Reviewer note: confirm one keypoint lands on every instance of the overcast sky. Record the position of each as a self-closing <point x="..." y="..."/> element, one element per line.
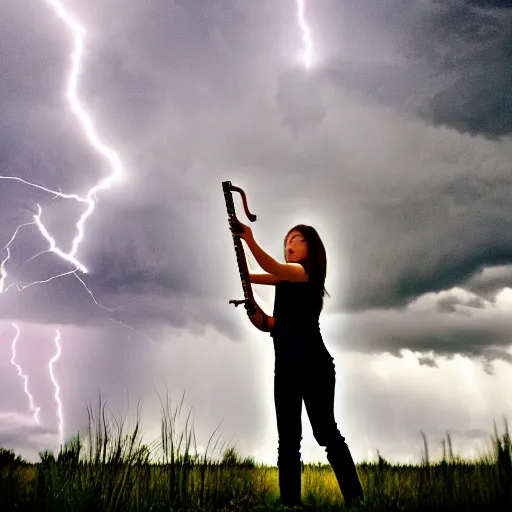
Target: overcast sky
<point x="395" y="144"/>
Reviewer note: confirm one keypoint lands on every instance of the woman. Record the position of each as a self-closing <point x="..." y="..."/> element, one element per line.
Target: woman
<point x="304" y="369"/>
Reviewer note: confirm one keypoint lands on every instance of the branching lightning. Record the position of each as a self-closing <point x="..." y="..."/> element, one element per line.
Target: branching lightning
<point x="85" y="121"/>
<point x="57" y="388"/>
<point x="87" y="124"/>
<point x="111" y="156"/>
<point x="24" y="377"/>
<point x="131" y="329"/>
<point x="306" y="34"/>
<point x="3" y="271"/>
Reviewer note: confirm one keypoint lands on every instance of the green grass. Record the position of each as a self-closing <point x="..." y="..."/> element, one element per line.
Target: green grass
<point x="110" y="469"/>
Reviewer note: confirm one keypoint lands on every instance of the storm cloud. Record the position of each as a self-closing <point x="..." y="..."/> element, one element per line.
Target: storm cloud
<point x="447" y="62"/>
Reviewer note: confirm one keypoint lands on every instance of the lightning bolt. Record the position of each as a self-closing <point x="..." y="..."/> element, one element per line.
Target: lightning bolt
<point x="24" y="377"/>
<point x="306" y="34"/>
<point x="3" y="271"/>
<point x="89" y="200"/>
<point x="131" y="329"/>
<point x="88" y="126"/>
<point x="86" y="122"/>
<point x="57" y="387"/>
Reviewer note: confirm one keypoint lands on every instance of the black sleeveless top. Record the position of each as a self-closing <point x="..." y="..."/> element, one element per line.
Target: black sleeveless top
<point x="296" y="332"/>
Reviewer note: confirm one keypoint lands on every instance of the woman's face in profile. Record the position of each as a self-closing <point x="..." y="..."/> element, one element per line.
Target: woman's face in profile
<point x="296" y="247"/>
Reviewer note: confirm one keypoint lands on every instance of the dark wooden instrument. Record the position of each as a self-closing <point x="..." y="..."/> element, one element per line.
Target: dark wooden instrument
<point x="248" y="301"/>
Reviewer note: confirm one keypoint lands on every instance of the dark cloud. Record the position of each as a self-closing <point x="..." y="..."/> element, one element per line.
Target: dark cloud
<point x="427" y="361"/>
<point x="451" y="66"/>
<point x="490" y="281"/>
<point x="494" y="353"/>
<point x="448" y="303"/>
<point x="439" y="258"/>
<point x="473" y="48"/>
<point x="483" y="337"/>
<point x="498" y="4"/>
<point x="475" y="104"/>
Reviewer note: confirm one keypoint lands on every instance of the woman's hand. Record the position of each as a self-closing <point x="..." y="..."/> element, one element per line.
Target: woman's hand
<point x="240" y="230"/>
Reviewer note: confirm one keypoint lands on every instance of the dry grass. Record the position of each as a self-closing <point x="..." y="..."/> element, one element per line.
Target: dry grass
<point x="109" y="469"/>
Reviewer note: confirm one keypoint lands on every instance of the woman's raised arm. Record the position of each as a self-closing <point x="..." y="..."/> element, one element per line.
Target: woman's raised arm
<point x="264" y="278"/>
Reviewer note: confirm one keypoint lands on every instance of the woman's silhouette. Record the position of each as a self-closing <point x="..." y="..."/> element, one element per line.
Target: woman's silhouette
<point x="304" y="369"/>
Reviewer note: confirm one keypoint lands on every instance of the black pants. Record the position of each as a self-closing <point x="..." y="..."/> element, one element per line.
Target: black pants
<point x="311" y="381"/>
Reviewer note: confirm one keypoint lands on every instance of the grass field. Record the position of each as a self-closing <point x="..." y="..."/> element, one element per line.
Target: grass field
<point x="109" y="469"/>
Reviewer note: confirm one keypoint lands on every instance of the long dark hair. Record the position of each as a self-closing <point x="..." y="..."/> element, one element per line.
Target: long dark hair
<point x="315" y="262"/>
